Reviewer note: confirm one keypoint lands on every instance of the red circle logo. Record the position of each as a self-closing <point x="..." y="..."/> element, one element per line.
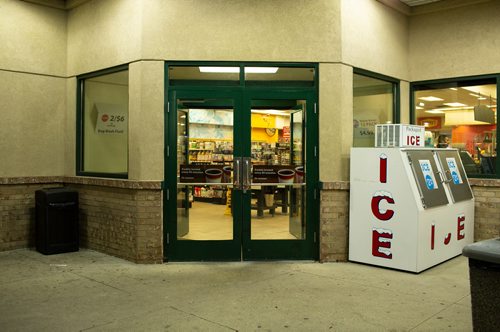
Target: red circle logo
<point x="104" y="117"/>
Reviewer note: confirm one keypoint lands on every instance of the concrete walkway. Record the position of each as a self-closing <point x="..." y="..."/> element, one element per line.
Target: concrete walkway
<point x="90" y="291"/>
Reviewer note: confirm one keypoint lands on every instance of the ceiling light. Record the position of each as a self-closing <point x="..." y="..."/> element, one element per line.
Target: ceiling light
<point x="431" y="98"/>
<point x="219" y="69"/>
<point x="474" y="95"/>
<point x="482" y="98"/>
<point x="261" y="70"/>
<point x="421" y="104"/>
<point x="455" y="104"/>
<point x="419" y="108"/>
<point x="454" y="89"/>
<point x="434" y="112"/>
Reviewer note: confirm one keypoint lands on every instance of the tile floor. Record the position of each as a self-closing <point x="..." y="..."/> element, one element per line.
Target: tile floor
<point x="90" y="291"/>
<point x="208" y="221"/>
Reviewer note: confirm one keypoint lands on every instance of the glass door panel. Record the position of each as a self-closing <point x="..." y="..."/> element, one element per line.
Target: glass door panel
<point x="204" y="169"/>
<point x="278" y="180"/>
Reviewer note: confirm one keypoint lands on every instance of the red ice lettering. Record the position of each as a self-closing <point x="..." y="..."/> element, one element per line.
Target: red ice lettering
<point x="381" y="243"/>
<point x="447" y="239"/>
<point x="382" y="215"/>
<point x="433" y="232"/>
<point x="412" y="140"/>
<point x="383" y="168"/>
<point x="460" y="227"/>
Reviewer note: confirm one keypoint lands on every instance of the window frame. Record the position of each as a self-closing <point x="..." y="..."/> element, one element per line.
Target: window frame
<point x="396" y="91"/>
<point x="80" y="92"/>
<point x="454" y="82"/>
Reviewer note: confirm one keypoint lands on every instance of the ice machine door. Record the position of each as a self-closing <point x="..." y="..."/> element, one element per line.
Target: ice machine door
<point x="455" y="175"/>
<point x="428" y="178"/>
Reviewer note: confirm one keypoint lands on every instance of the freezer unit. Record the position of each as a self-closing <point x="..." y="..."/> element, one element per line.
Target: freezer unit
<point x="410" y="208"/>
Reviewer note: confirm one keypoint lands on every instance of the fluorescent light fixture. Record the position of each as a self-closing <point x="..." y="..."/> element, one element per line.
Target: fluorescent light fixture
<point x="235" y="70"/>
<point x="419" y="108"/>
<point x="421" y="104"/>
<point x="219" y="69"/>
<point x="430" y="98"/>
<point x="474" y="95"/>
<point x="482" y="98"/>
<point x="454" y="89"/>
<point x="455" y="104"/>
<point x="435" y="112"/>
<point x="261" y="70"/>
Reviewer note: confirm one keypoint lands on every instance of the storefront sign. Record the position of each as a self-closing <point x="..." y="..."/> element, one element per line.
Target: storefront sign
<point x="111" y="119"/>
<point x="278" y="174"/>
<point x="204" y="174"/>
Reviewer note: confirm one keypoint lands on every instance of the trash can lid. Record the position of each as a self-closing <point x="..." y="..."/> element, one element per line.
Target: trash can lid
<point x="488" y="251"/>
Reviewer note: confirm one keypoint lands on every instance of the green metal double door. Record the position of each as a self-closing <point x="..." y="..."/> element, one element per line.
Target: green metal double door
<point x="241" y="175"/>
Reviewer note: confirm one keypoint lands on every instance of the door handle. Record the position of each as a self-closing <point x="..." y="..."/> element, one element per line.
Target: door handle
<point x="246" y="176"/>
<point x="237" y="173"/>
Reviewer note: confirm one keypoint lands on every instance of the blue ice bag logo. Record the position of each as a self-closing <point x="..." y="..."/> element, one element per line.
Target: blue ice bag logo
<point x="429" y="182"/>
<point x="455" y="177"/>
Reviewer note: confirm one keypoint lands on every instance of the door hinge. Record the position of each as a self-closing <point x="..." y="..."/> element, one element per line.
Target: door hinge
<point x="315" y="151"/>
<point x="168" y="150"/>
<point x="314" y="193"/>
<point x="168" y="238"/>
<point x="168" y="194"/>
<point x="314" y="237"/>
<point x="315" y="109"/>
<point x="168" y="107"/>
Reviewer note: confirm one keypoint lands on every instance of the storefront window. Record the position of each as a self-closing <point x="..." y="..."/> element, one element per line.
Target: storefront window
<point x="374" y="103"/>
<point x="462" y="115"/>
<point x="103" y="124"/>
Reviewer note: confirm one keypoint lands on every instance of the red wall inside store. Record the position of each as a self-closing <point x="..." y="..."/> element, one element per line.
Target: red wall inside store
<point x="466" y="134"/>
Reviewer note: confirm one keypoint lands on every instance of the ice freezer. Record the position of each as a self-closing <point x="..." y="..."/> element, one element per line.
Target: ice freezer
<point x="410" y="208"/>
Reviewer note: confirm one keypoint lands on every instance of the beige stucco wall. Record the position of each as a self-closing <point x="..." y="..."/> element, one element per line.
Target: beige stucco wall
<point x="33" y="90"/>
<point x="456" y="42"/>
<point x="103" y="34"/>
<point x="32" y="38"/>
<point x="146" y="122"/>
<point x="375" y="38"/>
<point x="32" y="124"/>
<point x="335" y="121"/>
<point x="277" y="30"/>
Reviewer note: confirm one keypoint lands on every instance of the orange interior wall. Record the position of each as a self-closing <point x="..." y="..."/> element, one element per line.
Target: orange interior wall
<point x="466" y="134"/>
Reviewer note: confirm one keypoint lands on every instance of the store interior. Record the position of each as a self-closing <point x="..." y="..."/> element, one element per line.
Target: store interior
<point x="462" y="117"/>
<point x="206" y="143"/>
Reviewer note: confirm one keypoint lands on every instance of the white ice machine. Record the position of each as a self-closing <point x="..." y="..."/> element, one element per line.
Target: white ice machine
<point x="410" y="208"/>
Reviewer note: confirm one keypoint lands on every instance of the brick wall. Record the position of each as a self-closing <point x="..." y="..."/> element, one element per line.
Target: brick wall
<point x="334" y="222"/>
<point x="17" y="215"/>
<point x="126" y="223"/>
<point x="117" y="217"/>
<point x="487" y="209"/>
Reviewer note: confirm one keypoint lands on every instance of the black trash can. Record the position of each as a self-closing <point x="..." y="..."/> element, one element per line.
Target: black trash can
<point x="56" y="220"/>
<point x="484" y="270"/>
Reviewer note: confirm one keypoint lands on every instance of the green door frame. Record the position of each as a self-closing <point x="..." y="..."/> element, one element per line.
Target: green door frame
<point x="231" y="249"/>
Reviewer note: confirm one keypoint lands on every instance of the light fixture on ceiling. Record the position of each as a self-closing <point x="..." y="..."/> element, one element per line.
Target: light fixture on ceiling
<point x="454" y="89"/>
<point x="435" y="111"/>
<point x="455" y="104"/>
<point x="430" y="98"/>
<point x="233" y="70"/>
<point x="271" y="112"/>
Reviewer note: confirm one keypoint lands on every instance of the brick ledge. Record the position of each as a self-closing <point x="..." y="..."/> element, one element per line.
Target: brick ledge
<point x="335" y="185"/>
<point x="116" y="183"/>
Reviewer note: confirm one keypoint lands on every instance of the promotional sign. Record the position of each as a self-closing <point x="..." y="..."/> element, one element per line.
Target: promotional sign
<point x="455" y="174"/>
<point x="430" y="180"/>
<point x="111" y="119"/>
<point x="204" y="174"/>
<point x="278" y="174"/>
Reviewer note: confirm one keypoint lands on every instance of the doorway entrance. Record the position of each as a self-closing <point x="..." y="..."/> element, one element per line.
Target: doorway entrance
<point x="245" y="179"/>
